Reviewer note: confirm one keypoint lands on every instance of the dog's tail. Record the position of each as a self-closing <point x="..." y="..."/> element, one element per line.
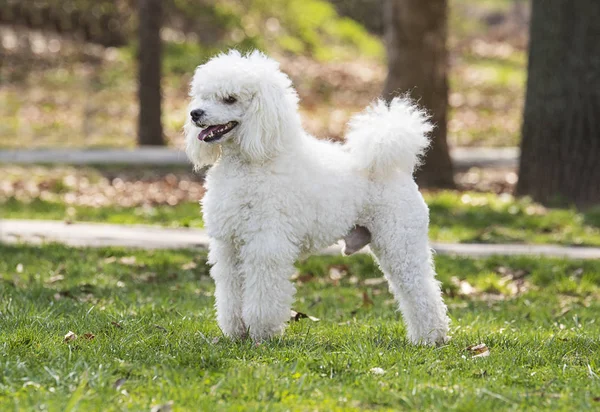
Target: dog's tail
<point x="387" y="137"/>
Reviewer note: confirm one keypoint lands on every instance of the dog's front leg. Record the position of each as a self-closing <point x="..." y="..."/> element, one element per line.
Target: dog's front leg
<point x="229" y="280"/>
<point x="267" y="264"/>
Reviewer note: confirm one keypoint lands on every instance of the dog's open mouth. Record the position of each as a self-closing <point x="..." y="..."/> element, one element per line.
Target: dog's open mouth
<point x="214" y="133"/>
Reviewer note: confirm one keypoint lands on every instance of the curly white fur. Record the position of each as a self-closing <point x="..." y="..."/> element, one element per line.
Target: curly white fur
<point x="274" y="193"/>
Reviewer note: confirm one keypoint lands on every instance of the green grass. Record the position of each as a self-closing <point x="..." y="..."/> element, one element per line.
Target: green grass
<point x="488" y="218"/>
<point x="186" y="214"/>
<point x="156" y="340"/>
<point x="466" y="217"/>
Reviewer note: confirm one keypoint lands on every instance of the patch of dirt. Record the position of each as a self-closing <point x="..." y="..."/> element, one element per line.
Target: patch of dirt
<point x="97" y="188"/>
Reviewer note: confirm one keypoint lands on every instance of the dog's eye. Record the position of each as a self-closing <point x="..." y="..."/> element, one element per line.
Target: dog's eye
<point x="230" y="100"/>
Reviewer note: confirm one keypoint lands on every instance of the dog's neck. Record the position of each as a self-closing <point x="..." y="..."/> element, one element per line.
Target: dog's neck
<point x="232" y="153"/>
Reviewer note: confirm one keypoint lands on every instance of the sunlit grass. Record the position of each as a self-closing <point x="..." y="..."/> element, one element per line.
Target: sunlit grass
<point x="465" y="217"/>
<point x="147" y="335"/>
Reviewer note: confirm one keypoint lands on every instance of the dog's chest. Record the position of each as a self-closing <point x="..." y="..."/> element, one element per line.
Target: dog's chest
<point x="235" y="203"/>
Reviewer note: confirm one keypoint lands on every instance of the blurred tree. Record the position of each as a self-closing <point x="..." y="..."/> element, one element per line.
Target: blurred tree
<point x="149" y="73"/>
<point x="96" y="21"/>
<point x="415" y="32"/>
<point x="366" y="12"/>
<point x="560" y="150"/>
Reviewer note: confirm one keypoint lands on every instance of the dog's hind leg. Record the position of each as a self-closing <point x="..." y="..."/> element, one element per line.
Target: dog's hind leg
<point x="405" y="258"/>
<point x="228" y="279"/>
<point x="267" y="264"/>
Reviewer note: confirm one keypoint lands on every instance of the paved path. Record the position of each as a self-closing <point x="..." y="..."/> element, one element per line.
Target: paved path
<point x="97" y="235"/>
<point x="462" y="157"/>
<point x="147" y="155"/>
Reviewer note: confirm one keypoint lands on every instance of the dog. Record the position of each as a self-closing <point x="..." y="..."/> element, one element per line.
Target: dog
<point x="275" y="193"/>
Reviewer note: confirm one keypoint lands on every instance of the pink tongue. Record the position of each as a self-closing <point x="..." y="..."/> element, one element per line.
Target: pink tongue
<point x="207" y="131"/>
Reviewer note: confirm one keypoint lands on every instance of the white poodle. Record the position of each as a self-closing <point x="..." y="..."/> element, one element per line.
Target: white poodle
<point x="274" y="193"/>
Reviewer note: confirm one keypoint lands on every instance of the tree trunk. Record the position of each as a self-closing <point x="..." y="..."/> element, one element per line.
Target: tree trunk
<point x="149" y="92"/>
<point x="560" y="150"/>
<point x="415" y="33"/>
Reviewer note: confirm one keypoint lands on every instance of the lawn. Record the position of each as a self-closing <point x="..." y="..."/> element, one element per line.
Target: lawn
<point x="146" y="336"/>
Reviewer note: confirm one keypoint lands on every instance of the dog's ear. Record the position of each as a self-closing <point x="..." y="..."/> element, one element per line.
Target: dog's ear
<point x="200" y="153"/>
<point x="273" y="113"/>
<point x="264" y="123"/>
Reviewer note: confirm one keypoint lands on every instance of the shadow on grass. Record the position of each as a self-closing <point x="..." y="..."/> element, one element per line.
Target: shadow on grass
<point x="475" y="218"/>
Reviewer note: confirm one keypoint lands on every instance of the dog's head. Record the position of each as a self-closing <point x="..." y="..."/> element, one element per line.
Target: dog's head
<point x="240" y="100"/>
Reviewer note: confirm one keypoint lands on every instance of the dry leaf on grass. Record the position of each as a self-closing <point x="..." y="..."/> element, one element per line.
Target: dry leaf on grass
<point x="374" y="281"/>
<point x="89" y="336"/>
<point x="366" y="300"/>
<point x="165" y="407"/>
<point x="512" y="274"/>
<point x="464" y="287"/>
<point x="479" y="351"/>
<point x="337" y="272"/>
<point x="303" y="277"/>
<point x="118" y="383"/>
<point x="69" y="337"/>
<point x="296" y="316"/>
<point x="128" y="260"/>
<point x="189" y="266"/>
<point x="116" y="324"/>
<point x="55" y="278"/>
<point x="377" y="371"/>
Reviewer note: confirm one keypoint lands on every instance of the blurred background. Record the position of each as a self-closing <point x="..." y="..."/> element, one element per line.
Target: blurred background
<point x="115" y="74"/>
<point x="69" y="68"/>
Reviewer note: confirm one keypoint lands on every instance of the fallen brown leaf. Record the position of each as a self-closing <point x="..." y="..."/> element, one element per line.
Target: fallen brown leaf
<point x="464" y="287"/>
<point x="116" y="324"/>
<point x="296" y="316"/>
<point x="303" y="277"/>
<point x="118" y="383"/>
<point x="89" y="336"/>
<point x="366" y="300"/>
<point x="374" y="281"/>
<point x="69" y="337"/>
<point x="336" y="273"/>
<point x="55" y="278"/>
<point x="165" y="407"/>
<point x="189" y="266"/>
<point x="512" y="274"/>
<point x="128" y="260"/>
<point x="479" y="351"/>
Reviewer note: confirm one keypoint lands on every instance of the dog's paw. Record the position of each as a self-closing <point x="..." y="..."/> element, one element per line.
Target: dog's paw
<point x="234" y="328"/>
<point x="436" y="337"/>
<point x="261" y="334"/>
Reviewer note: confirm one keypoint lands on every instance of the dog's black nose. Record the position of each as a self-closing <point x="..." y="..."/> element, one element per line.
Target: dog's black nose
<point x="196" y="114"/>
